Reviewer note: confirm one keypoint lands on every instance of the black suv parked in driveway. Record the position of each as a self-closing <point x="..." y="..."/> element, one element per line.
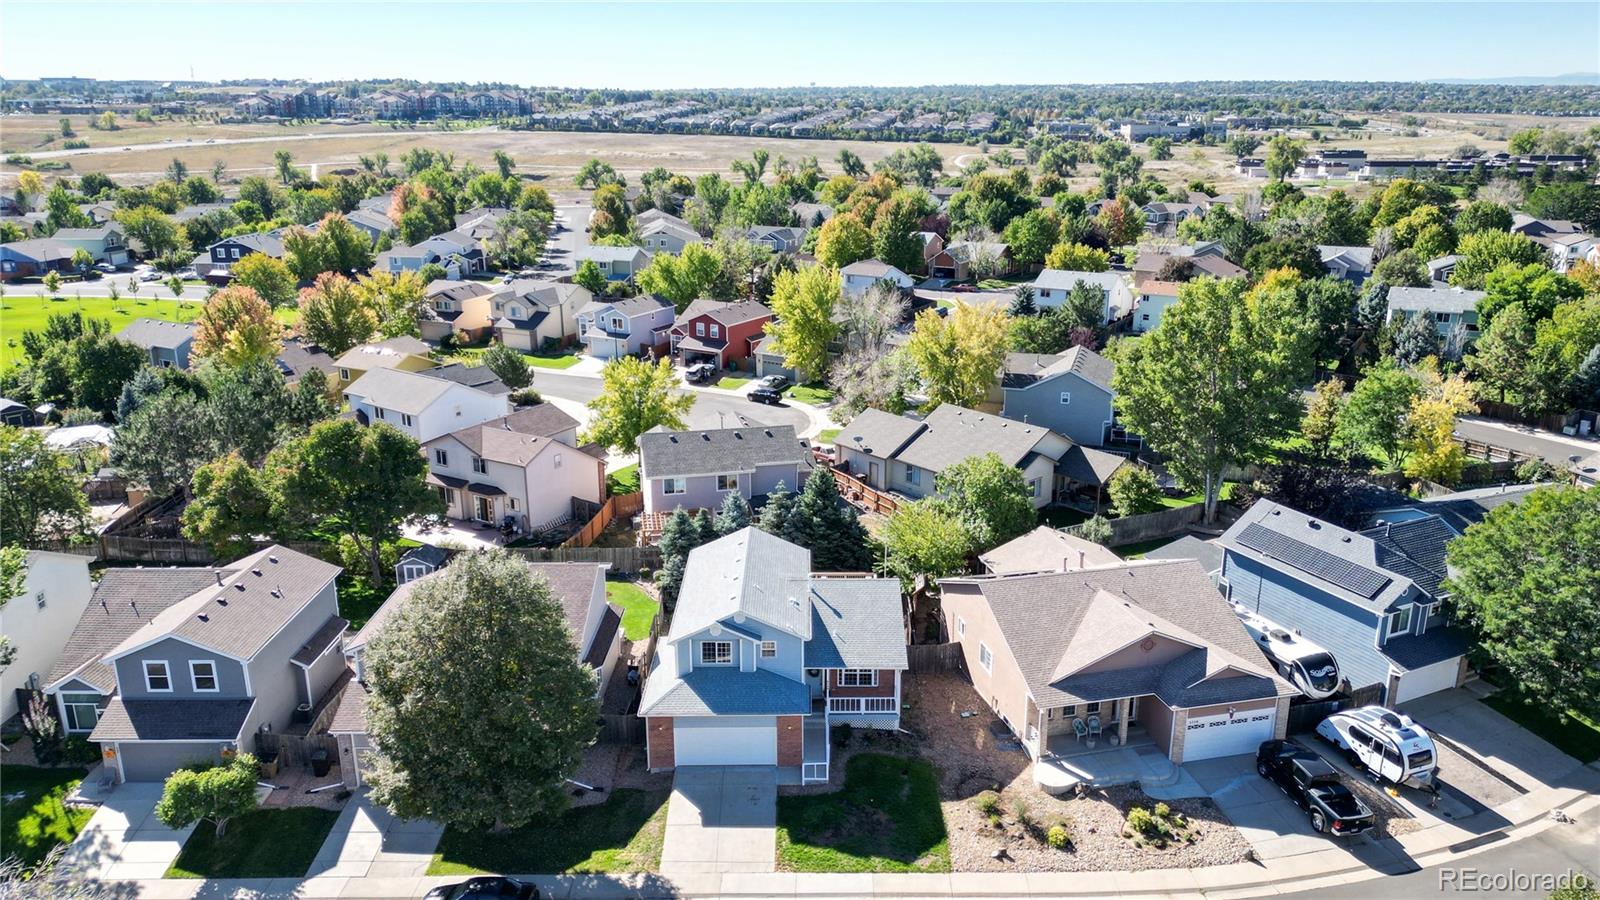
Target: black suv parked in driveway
<point x="1314" y="786"/>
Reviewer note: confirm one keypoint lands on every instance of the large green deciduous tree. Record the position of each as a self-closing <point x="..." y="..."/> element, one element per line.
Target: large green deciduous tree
<point x="1524" y="580"/>
<point x="231" y="506"/>
<point x="40" y="494"/>
<point x="991" y="499"/>
<point x="1216" y="383"/>
<point x="925" y="539"/>
<point x="803" y="302"/>
<point x="359" y="482"/>
<point x="218" y="793"/>
<point x="959" y="355"/>
<point x="333" y="314"/>
<point x="479" y="703"/>
<point x="637" y="396"/>
<point x="164" y="441"/>
<point x="1374" y="418"/>
<point x="683" y="278"/>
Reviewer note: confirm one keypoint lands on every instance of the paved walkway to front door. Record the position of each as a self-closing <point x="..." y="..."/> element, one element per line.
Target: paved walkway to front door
<point x="367" y="841"/>
<point x="721" y="819"/>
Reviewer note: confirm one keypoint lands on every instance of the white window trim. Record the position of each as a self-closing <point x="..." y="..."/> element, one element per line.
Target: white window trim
<point x="699" y="329"/>
<point x="1066" y="398"/>
<point x="674" y="486"/>
<point x="732" y="487"/>
<point x="411" y="571"/>
<point x="704" y="645"/>
<point x="769" y="649"/>
<point x="961" y="626"/>
<point x="985" y="657"/>
<point x="194" y="676"/>
<point x="40" y="601"/>
<point x="480" y="466"/>
<point x="853" y="678"/>
<point x="441" y="457"/>
<point x="1394" y="617"/>
<point x="166" y="669"/>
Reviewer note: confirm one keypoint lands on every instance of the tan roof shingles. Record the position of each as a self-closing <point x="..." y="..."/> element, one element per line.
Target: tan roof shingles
<point x="124" y="601"/>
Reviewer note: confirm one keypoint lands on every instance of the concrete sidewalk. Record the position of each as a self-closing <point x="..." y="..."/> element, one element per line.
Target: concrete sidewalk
<point x="367" y="841"/>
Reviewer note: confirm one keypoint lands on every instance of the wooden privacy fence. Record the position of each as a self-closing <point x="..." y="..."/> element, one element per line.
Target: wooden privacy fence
<point x="294" y="750"/>
<point x="621" y="728"/>
<point x="1149" y="526"/>
<point x="623" y="560"/>
<point x="1493" y="452"/>
<point x="864" y="495"/>
<point x="934" y="657"/>
<point x="618" y="505"/>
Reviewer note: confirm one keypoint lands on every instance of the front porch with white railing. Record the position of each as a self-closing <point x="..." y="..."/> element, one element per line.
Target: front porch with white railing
<point x="861" y="706"/>
<point x="829" y="710"/>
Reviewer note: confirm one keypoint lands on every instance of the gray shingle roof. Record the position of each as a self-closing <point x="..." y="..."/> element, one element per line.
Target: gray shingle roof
<point x="1046" y="549"/>
<point x="1086" y="465"/>
<point x="479" y="377"/>
<point x="350" y="716"/>
<point x="1043" y="617"/>
<point x="1023" y="370"/>
<point x="267" y="590"/>
<point x="572" y="585"/>
<point x="1066" y="280"/>
<point x="260" y="241"/>
<point x="749" y="572"/>
<point x="149" y="333"/>
<point x="1415" y="548"/>
<point x="124" y="601"/>
<point x="630" y="307"/>
<point x="610" y="621"/>
<point x="878" y="433"/>
<point x="1434" y="300"/>
<point x="856" y="623"/>
<point x="718" y="451"/>
<point x="1435" y="645"/>
<point x="951" y="434"/>
<point x="406" y="392"/>
<point x="728" y="314"/>
<point x="171" y="720"/>
<point x="870" y="268"/>
<point x="1343" y="547"/>
<point x="317" y="644"/>
<point x="1209" y="555"/>
<point x="724" y="691"/>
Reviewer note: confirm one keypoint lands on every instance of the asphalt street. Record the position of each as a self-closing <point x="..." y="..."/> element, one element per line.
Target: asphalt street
<point x="710" y="410"/>
<point x="1560" y="849"/>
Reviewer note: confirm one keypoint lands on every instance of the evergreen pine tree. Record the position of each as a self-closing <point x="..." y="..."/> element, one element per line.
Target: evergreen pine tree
<point x="780" y="504"/>
<point x="734" y="515"/>
<point x="1022" y="301"/>
<point x="825" y="526"/>
<point x="678" y="537"/>
<point x="705" y="530"/>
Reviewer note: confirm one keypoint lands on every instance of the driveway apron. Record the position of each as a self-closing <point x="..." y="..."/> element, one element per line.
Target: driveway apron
<point x="721" y="819"/>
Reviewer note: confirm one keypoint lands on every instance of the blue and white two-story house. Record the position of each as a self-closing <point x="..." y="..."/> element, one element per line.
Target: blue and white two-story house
<point x="612" y="327"/>
<point x="1371" y="598"/>
<point x="172" y="666"/>
<point x="763" y="657"/>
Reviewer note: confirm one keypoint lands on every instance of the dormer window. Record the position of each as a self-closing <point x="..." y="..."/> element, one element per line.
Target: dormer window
<point x="157" y="677"/>
<point x="716" y="653"/>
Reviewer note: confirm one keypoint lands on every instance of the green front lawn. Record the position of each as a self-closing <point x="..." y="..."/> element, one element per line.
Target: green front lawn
<point x="624" y="480"/>
<point x="32" y="825"/>
<point x="638" y="608"/>
<point x="623" y="834"/>
<point x="19" y="314"/>
<point x="886" y="818"/>
<point x="732" y="382"/>
<point x="828" y="435"/>
<point x="1578" y="737"/>
<point x="814" y="394"/>
<point x="558" y="361"/>
<point x="267" y="843"/>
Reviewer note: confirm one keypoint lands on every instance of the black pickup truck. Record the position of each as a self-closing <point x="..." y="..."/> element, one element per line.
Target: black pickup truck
<point x="1314" y="785"/>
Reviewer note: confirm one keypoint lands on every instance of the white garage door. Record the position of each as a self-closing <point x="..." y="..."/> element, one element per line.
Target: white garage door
<point x="1228" y="734"/>
<point x="726" y="742"/>
<point x="1427" y="680"/>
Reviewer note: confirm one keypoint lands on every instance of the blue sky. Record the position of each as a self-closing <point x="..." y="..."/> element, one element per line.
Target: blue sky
<point x="765" y="44"/>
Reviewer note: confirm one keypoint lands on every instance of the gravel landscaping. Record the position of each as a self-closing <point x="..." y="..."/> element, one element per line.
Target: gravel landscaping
<point x="969" y="763"/>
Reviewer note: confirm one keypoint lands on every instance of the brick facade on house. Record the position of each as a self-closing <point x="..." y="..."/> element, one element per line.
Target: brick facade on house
<point x="884" y="688"/>
<point x="660" y="751"/>
<point x="791" y="740"/>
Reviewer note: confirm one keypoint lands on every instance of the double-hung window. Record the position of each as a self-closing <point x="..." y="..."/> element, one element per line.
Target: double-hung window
<point x="203" y="675"/>
<point x="157" y="677"/>
<point x="442" y="458"/>
<point x="727" y="482"/>
<point x="985" y="657"/>
<point x="1066" y="398"/>
<point x="913" y="475"/>
<point x="769" y="649"/>
<point x="858" y="678"/>
<point x="405" y="419"/>
<point x="674" y="486"/>
<point x="699" y="329"/>
<point x="716" y="653"/>
<point x="716" y="331"/>
<point x="480" y="465"/>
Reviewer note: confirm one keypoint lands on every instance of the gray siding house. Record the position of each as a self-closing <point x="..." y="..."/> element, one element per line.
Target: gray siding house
<point x="1372" y="598"/>
<point x="698" y="469"/>
<point x="610" y="328"/>
<point x="1068" y="393"/>
<point x="173" y="666"/>
<point x="166" y="344"/>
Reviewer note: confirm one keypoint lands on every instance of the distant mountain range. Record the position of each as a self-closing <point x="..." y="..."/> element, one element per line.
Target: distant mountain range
<point x="1585" y="78"/>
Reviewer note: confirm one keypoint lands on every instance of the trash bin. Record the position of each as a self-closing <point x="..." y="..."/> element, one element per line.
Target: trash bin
<point x="320" y="764"/>
<point x="269" y="765"/>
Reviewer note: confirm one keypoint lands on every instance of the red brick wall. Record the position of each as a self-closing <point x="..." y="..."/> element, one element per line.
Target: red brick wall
<point x="885" y="686"/>
<point x="658" y="743"/>
<point x="791" y="740"/>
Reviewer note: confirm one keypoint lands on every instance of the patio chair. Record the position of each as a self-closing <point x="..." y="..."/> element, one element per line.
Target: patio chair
<point x="1094" y="726"/>
<point x="1079" y="729"/>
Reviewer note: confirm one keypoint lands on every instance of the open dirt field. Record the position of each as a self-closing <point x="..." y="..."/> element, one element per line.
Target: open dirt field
<point x="557" y="155"/>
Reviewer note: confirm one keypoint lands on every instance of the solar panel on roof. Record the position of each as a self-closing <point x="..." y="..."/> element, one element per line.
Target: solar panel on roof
<point x="1356" y="579"/>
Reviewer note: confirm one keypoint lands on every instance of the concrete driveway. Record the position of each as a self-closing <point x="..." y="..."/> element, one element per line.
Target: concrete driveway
<point x="124" y="840"/>
<point x="721" y="819"/>
<point x="1499" y="744"/>
<point x="1270" y="821"/>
